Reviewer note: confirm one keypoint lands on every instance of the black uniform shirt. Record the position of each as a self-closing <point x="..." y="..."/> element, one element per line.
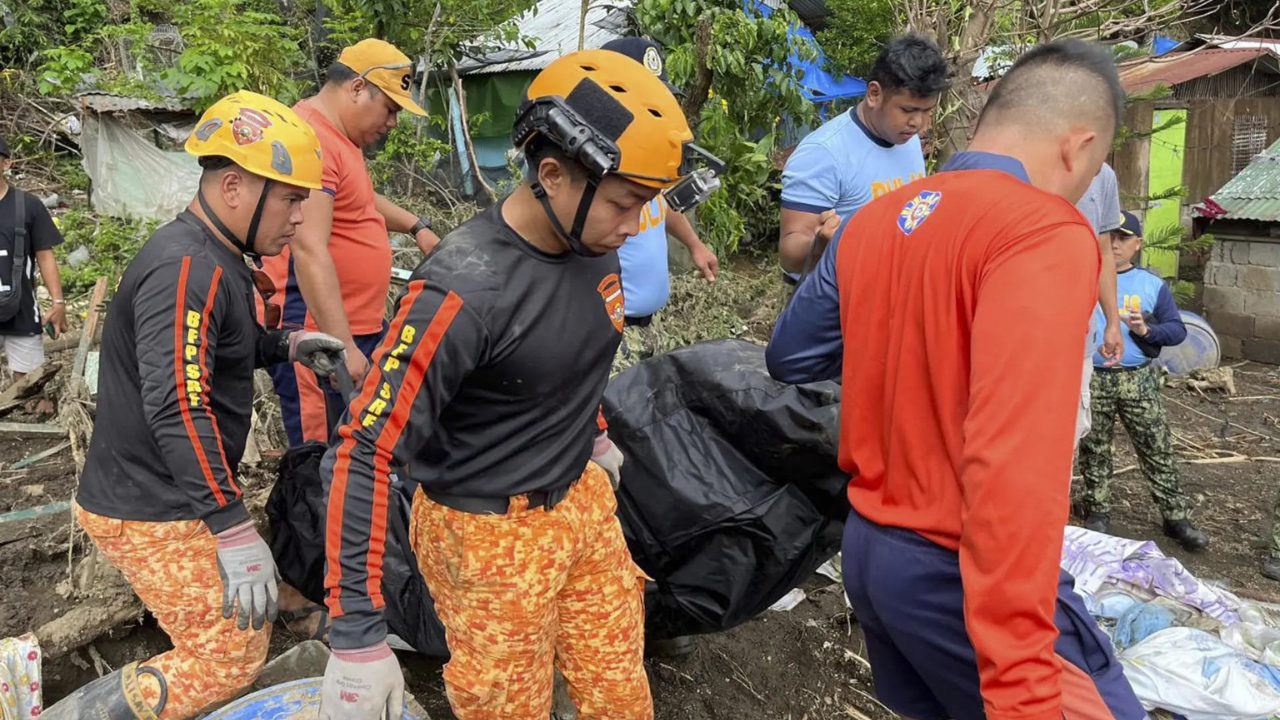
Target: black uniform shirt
<point x="175" y="383"/>
<point x="487" y="385"/>
<point x="42" y="234"/>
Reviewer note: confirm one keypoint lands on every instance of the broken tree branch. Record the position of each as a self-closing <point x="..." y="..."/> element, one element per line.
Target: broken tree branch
<point x="466" y="130"/>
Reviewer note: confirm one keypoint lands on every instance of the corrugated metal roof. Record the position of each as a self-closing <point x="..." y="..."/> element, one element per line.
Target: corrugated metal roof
<point x="1254" y="194"/>
<point x="103" y="102"/>
<point x="1178" y="67"/>
<point x="553" y="26"/>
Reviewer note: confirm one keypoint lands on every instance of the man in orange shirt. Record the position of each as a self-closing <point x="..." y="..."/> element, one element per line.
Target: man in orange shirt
<point x="337" y="272"/>
<point x="956" y="316"/>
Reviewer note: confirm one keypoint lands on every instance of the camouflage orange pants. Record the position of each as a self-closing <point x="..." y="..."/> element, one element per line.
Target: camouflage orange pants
<point x="524" y="592"/>
<point x="173" y="567"/>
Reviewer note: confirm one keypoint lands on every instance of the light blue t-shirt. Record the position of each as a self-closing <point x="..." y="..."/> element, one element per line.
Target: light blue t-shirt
<point x="1142" y="292"/>
<point x="645" y="280"/>
<point x="842" y="166"/>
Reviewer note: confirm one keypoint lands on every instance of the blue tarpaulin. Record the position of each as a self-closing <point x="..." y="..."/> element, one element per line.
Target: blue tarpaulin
<point x="1162" y="45"/>
<point x="817" y="84"/>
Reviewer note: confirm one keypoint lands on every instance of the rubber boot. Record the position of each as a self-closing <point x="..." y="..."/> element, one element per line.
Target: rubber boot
<point x="1188" y="536"/>
<point x="112" y="697"/>
<point x="1098" y="522"/>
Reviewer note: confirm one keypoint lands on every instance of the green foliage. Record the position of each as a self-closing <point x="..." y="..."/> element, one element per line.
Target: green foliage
<point x="753" y="84"/>
<point x="229" y="45"/>
<point x="63" y="69"/>
<point x="855" y="34"/>
<point x="111" y="244"/>
<point x="232" y="47"/>
<point x="1174" y="238"/>
<point x="438" y="28"/>
<point x="405" y="156"/>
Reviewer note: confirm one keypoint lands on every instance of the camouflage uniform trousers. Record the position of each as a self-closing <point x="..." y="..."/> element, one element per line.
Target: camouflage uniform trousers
<point x="173" y="567"/>
<point x="524" y="592"/>
<point x="1134" y="395"/>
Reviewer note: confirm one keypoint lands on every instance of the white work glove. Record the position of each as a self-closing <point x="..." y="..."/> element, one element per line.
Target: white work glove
<point x="317" y="351"/>
<point x="248" y="576"/>
<point x="607" y="455"/>
<point x="364" y="684"/>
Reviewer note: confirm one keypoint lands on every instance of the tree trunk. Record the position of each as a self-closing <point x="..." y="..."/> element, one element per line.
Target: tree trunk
<point x="701" y="88"/>
<point x="466" y="131"/>
<point x="582" y="23"/>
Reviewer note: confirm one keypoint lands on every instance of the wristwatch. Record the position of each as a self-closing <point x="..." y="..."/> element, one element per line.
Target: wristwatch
<point x="424" y="223"/>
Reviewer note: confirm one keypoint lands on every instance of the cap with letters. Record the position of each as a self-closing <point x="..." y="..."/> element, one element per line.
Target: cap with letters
<point x="1131" y="227"/>
<point x="380" y="63"/>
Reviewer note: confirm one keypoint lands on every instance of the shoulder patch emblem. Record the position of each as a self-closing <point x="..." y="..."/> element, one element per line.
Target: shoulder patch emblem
<point x="610" y="290"/>
<point x="915" y="212"/>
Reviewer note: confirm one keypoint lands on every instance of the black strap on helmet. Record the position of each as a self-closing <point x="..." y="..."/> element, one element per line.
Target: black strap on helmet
<point x="244" y="246"/>
<point x="552" y="119"/>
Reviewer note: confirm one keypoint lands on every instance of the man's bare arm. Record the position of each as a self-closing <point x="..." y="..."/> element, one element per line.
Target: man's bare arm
<point x="796" y="238"/>
<point x="402" y="221"/>
<point x="318" y="277"/>
<point x="1108" y="299"/>
<point x="57" y="312"/>
<point x="705" y="260"/>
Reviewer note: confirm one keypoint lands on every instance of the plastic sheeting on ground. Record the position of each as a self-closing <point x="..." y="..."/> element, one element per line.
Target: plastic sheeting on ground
<point x="131" y="176"/>
<point x="1197" y="675"/>
<point x="1187" y="647"/>
<point x="730" y="495"/>
<point x="1094" y="558"/>
<point x="20" y="690"/>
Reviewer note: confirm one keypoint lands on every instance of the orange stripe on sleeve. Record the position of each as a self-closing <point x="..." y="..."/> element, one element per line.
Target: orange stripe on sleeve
<point x="342" y="462"/>
<point x="204" y="373"/>
<point x="179" y="362"/>
<point x="391" y="431"/>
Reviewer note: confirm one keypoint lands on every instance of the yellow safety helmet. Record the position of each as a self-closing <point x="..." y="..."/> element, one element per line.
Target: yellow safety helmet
<point x="262" y="136"/>
<point x="636" y="128"/>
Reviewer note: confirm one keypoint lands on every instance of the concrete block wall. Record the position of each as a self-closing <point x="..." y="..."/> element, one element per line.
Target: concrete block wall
<point x="1242" y="298"/>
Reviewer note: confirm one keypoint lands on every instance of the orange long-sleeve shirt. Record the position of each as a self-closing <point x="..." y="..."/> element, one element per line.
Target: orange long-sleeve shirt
<point x="964" y="302"/>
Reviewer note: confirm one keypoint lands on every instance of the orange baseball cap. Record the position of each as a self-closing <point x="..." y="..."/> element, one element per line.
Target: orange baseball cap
<point x="380" y="63"/>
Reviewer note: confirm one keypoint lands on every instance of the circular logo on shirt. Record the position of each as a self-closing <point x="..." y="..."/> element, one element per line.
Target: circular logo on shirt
<point x="653" y="60"/>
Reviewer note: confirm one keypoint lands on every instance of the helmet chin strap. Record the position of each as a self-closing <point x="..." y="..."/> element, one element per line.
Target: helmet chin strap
<point x="573" y="237"/>
<point x="244" y="246"/>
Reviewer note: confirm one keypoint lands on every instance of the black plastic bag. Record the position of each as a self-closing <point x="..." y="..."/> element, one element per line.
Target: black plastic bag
<point x="730" y="493"/>
<point x="296" y="510"/>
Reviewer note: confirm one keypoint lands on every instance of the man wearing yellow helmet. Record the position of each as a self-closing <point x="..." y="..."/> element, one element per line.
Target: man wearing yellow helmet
<point x="159" y="494"/>
<point x="486" y="389"/>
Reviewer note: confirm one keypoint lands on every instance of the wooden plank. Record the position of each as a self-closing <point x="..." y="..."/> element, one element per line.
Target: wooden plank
<point x="30" y="429"/>
<point x="18" y="393"/>
<point x="41" y="455"/>
<point x="90" y="327"/>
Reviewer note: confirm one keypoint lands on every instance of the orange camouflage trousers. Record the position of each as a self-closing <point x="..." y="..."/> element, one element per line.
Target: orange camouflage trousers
<point x="522" y="593"/>
<point x="173" y="567"/>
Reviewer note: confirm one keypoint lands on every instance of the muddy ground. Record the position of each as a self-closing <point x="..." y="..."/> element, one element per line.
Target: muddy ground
<point x="807" y="663"/>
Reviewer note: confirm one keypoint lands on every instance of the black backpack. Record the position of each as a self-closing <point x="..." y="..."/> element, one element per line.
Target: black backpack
<point x="11" y="299"/>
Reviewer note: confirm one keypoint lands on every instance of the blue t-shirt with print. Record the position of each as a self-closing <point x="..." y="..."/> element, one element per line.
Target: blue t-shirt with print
<point x="1138" y="290"/>
<point x="842" y="166"/>
<point x="645" y="280"/>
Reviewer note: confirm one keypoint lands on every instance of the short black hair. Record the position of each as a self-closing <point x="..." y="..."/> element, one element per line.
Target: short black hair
<point x="337" y="74"/>
<point x="1064" y="77"/>
<point x="540" y="148"/>
<point x="911" y="62"/>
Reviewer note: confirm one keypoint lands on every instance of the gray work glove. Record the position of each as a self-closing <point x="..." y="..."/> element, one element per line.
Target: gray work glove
<point x="364" y="684"/>
<point x="607" y="455"/>
<point x="315" y="350"/>
<point x="249" y="576"/>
